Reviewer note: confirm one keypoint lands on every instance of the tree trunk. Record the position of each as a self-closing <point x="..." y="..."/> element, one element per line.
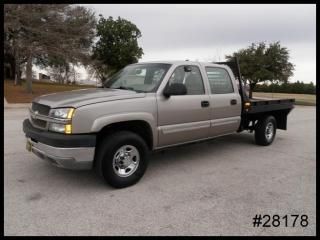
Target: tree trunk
<point x="13" y="63"/>
<point x="66" y="77"/>
<point x="29" y="74"/>
<point x="17" y="69"/>
<point x="12" y="69"/>
<point x="74" y="74"/>
<point x="16" y="80"/>
<point x="19" y="75"/>
<point x="60" y="75"/>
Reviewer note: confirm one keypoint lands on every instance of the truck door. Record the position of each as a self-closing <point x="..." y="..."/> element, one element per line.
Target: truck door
<point x="225" y="101"/>
<point x="184" y="118"/>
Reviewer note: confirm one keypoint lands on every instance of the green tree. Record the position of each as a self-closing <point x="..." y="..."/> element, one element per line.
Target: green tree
<point x="13" y="56"/>
<point x="117" y="46"/>
<point x="260" y="63"/>
<point x="58" y="68"/>
<point x="41" y="31"/>
<point x="310" y="88"/>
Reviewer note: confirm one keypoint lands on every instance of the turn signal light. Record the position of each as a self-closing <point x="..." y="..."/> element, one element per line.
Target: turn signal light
<point x="68" y="129"/>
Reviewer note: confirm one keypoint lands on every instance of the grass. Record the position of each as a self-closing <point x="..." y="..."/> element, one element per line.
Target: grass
<point x="301" y="99"/>
<point x="18" y="94"/>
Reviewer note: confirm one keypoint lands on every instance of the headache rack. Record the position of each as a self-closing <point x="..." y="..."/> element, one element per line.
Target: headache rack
<point x="235" y="68"/>
<point x="254" y="108"/>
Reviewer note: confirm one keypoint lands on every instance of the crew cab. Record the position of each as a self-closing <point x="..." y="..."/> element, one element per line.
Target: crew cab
<point x="143" y="108"/>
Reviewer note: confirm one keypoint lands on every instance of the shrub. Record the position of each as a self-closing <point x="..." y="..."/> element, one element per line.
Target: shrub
<point x="296" y="87"/>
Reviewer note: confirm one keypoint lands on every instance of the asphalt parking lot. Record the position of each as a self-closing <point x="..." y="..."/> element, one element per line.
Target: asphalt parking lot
<point x="211" y="188"/>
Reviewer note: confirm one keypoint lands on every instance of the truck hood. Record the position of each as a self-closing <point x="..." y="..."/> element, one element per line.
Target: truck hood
<point x="78" y="98"/>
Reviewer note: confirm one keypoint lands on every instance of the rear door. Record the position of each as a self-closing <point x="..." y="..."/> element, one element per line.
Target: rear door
<point x="225" y="101"/>
<point x="184" y="118"/>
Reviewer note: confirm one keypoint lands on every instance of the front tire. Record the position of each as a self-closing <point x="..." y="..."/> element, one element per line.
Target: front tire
<point x="265" y="131"/>
<point x="122" y="159"/>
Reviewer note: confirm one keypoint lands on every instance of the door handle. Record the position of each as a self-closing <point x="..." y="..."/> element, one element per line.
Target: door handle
<point x="205" y="103"/>
<point x="233" y="102"/>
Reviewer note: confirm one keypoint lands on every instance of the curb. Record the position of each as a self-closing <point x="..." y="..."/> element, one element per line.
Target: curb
<point x="15" y="105"/>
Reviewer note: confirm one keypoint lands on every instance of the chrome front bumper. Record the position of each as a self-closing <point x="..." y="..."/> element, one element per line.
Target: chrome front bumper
<point x="79" y="158"/>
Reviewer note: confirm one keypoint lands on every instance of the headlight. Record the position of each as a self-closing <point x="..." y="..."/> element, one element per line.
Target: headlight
<point x="61" y="113"/>
<point x="64" y="113"/>
<point x="62" y="128"/>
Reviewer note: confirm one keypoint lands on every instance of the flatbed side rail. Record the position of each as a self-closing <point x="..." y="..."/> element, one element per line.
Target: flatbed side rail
<point x="264" y="106"/>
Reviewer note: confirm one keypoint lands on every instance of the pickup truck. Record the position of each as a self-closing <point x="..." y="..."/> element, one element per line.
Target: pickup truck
<point x="143" y="108"/>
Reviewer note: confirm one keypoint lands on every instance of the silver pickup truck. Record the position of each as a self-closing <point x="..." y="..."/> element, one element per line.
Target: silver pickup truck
<point x="143" y="108"/>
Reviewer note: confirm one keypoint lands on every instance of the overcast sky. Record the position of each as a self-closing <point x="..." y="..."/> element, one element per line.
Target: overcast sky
<point x="207" y="32"/>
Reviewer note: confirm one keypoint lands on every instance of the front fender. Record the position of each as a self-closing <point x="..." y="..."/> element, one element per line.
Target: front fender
<point x="103" y="121"/>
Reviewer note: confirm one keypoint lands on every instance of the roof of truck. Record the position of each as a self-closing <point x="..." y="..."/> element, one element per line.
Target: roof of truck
<point x="180" y="62"/>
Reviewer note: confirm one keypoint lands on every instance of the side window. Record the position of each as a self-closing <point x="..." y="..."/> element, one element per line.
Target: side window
<point x="191" y="79"/>
<point x="219" y="80"/>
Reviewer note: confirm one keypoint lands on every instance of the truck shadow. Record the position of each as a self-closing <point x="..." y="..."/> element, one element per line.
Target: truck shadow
<point x="74" y="179"/>
<point x="213" y="149"/>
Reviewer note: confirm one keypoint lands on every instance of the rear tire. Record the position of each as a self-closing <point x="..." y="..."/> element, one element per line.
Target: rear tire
<point x="265" y="131"/>
<point x="122" y="159"/>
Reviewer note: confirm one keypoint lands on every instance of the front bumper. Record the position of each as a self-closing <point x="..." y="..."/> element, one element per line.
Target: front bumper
<point x="67" y="151"/>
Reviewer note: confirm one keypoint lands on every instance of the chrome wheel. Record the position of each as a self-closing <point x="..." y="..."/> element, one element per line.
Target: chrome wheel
<point x="269" y="131"/>
<point x="126" y="160"/>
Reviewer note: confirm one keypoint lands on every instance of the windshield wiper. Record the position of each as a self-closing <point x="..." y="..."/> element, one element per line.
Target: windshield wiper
<point x="129" y="88"/>
<point x="125" y="88"/>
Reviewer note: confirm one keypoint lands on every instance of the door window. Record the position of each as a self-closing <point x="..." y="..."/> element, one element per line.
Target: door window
<point x="219" y="80"/>
<point x="190" y="76"/>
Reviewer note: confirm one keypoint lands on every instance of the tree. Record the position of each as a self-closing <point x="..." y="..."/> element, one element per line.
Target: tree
<point x="58" y="69"/>
<point x="116" y="47"/>
<point x="13" y="57"/>
<point x="260" y="63"/>
<point x="310" y="88"/>
<point x="43" y="31"/>
<point x="9" y="62"/>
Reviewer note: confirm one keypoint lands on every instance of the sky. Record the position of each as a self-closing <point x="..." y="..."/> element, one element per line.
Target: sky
<point x="207" y="32"/>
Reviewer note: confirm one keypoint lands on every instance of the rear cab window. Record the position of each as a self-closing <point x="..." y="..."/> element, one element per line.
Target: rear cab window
<point x="219" y="80"/>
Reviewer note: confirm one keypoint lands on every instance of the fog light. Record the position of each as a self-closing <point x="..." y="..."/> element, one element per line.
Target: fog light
<point x="56" y="127"/>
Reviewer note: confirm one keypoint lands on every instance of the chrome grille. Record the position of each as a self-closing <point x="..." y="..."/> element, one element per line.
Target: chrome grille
<point x="40" y="108"/>
<point x="38" y="123"/>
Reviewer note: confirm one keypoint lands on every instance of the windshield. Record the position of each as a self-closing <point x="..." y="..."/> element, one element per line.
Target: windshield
<point x="139" y="77"/>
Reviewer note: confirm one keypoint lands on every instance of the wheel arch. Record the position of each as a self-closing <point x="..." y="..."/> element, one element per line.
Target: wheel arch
<point x="279" y="115"/>
<point x="139" y="127"/>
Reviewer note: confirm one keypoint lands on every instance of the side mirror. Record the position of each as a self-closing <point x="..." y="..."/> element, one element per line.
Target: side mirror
<point x="175" y="89"/>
